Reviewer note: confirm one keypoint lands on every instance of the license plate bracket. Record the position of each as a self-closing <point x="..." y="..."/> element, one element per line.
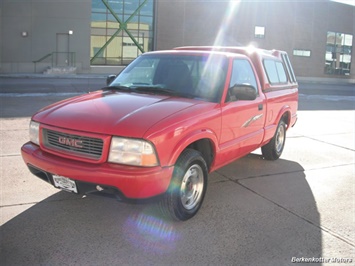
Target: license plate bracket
<point x="65" y="183"/>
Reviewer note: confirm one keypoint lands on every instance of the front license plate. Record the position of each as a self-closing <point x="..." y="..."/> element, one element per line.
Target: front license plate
<point x="65" y="183"/>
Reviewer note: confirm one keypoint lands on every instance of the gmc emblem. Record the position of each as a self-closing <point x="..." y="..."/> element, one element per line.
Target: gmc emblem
<point x="71" y="142"/>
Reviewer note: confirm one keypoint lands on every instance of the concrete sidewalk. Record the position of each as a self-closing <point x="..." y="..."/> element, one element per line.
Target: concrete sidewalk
<point x="51" y="84"/>
<point x="256" y="212"/>
<point x="50" y="76"/>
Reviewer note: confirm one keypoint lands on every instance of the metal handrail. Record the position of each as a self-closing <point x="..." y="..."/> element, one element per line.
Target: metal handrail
<point x="42" y="58"/>
<point x="71" y="60"/>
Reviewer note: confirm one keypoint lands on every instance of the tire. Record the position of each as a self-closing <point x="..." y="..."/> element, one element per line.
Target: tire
<point x="187" y="188"/>
<point x="273" y="150"/>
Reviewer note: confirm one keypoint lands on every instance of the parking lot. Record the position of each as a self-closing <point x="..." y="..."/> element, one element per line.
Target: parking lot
<point x="298" y="209"/>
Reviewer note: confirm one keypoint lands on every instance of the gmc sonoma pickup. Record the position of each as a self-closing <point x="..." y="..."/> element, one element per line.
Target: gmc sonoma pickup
<point x="165" y="122"/>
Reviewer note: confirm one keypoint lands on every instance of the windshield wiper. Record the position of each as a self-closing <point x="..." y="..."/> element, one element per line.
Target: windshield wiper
<point x="160" y="90"/>
<point x="155" y="90"/>
<point x="150" y="89"/>
<point x="118" y="87"/>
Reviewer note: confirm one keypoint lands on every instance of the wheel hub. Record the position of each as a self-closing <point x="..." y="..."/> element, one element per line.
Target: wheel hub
<point x="280" y="137"/>
<point x="192" y="187"/>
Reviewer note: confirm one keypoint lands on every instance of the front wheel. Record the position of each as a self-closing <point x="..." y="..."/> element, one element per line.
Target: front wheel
<point x="188" y="186"/>
<point x="272" y="150"/>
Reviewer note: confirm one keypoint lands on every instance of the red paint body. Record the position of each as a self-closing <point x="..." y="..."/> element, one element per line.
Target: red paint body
<point x="170" y="123"/>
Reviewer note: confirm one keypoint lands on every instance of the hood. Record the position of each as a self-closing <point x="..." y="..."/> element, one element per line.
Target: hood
<point x="112" y="112"/>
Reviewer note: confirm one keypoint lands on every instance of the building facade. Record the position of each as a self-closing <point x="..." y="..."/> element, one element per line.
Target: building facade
<point x="95" y="34"/>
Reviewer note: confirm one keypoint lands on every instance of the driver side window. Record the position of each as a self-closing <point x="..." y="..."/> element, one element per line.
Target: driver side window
<point x="242" y="73"/>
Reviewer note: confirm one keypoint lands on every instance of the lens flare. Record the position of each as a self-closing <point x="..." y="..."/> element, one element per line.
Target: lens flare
<point x="224" y="29"/>
<point x="150" y="233"/>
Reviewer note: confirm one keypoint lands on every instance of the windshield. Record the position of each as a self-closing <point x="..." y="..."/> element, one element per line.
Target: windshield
<point x="196" y="76"/>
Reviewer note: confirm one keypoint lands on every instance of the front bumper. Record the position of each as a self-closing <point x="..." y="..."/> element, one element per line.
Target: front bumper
<point x="131" y="182"/>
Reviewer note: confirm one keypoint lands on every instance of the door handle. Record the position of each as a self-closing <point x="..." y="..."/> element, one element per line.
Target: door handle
<point x="260" y="107"/>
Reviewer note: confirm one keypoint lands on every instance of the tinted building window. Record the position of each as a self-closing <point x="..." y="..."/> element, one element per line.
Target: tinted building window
<point x="120" y="30"/>
<point x="302" y="52"/>
<point x="338" y="53"/>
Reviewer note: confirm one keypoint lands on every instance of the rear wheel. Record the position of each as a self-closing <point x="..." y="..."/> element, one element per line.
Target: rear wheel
<point x="273" y="150"/>
<point x="188" y="186"/>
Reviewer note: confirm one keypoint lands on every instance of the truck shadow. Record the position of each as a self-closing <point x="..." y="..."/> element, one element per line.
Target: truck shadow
<point x="255" y="213"/>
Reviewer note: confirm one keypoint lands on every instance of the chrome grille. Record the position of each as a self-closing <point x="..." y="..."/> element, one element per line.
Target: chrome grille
<point x="81" y="146"/>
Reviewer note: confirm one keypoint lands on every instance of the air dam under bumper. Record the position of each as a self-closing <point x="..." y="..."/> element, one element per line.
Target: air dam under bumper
<point x="132" y="182"/>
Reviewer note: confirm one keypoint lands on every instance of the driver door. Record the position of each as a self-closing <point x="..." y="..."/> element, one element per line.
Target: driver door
<point x="242" y="121"/>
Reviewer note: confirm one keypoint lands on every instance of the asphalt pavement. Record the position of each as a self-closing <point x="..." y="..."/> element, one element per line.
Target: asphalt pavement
<point x="299" y="209"/>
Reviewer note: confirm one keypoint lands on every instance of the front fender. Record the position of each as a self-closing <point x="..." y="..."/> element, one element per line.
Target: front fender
<point x="191" y="138"/>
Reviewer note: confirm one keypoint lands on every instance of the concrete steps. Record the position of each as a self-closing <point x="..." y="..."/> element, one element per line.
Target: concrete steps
<point x="60" y="70"/>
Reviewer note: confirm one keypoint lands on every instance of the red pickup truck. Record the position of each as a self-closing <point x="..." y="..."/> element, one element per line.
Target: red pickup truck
<point x="165" y="122"/>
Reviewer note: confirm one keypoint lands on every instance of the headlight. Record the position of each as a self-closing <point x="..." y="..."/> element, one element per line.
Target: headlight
<point x="34" y="132"/>
<point x="132" y="152"/>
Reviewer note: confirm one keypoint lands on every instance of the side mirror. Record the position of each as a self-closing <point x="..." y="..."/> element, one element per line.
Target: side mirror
<point x="109" y="79"/>
<point x="243" y="92"/>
